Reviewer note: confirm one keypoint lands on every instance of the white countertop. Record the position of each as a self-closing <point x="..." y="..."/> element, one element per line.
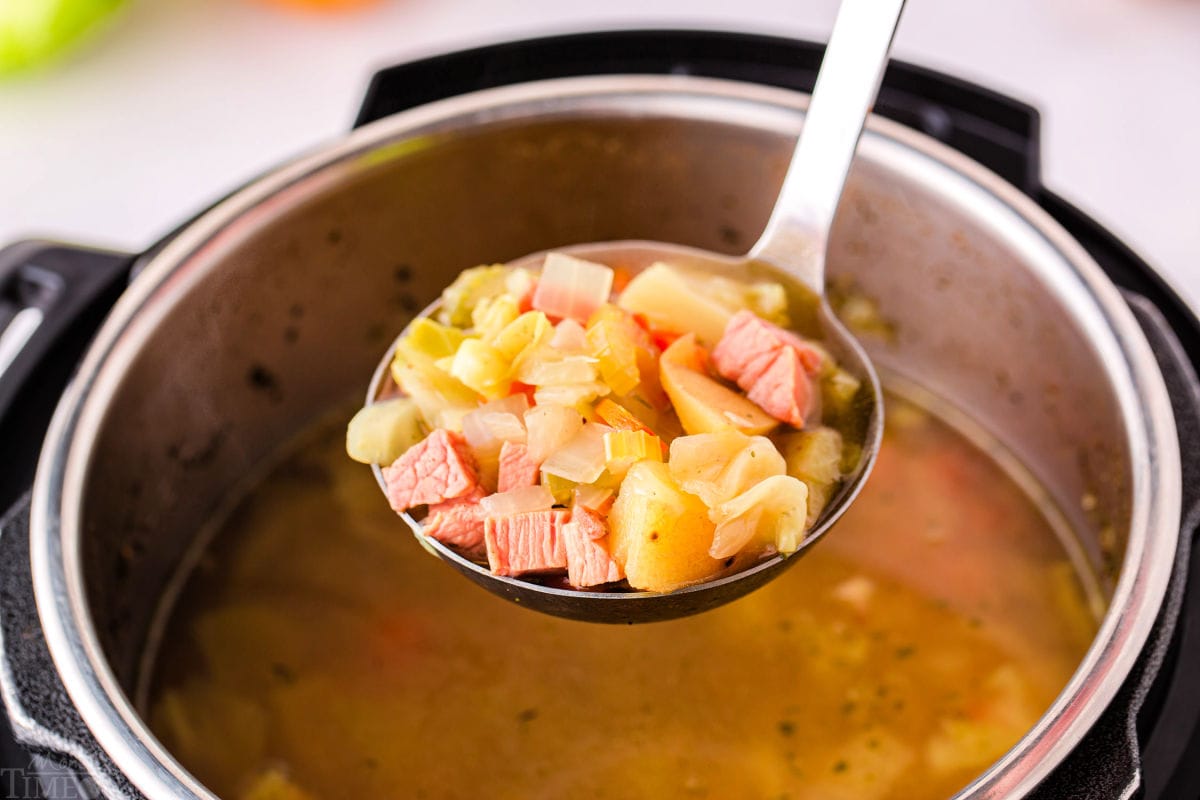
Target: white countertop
<point x="183" y="100"/>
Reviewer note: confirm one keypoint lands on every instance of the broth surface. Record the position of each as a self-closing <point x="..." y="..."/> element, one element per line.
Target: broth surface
<point x="899" y="659"/>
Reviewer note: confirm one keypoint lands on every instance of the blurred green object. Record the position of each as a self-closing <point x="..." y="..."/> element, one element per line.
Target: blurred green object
<point x="34" y="31"/>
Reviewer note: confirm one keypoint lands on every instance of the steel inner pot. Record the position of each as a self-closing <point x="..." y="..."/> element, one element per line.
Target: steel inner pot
<point x="277" y="303"/>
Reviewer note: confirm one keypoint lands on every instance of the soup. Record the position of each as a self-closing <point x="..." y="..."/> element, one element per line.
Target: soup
<point x="317" y="652"/>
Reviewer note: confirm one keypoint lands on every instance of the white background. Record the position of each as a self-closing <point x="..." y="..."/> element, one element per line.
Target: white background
<point x="182" y="100"/>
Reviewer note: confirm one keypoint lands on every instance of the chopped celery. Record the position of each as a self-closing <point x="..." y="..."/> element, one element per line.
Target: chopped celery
<point x="481" y="367"/>
<point x="381" y="432"/>
<point x="624" y="448"/>
<point x="613" y="340"/>
<point x="472" y="285"/>
<point x="492" y="315"/>
<point x="559" y="487"/>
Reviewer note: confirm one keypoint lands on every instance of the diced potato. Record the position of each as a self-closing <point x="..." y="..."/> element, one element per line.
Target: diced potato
<point x="381" y="432"/>
<point x="772" y="511"/>
<point x="838" y="389"/>
<point x="274" y="785"/>
<point x="716" y="467"/>
<point x="659" y="533"/>
<point x="672" y="302"/>
<point x="814" y="456"/>
<point x="703" y="404"/>
<point x="481" y="367"/>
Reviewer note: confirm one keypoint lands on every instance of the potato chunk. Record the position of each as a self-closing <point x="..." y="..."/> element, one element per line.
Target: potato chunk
<point x="659" y="533"/>
<point x="703" y="404"/>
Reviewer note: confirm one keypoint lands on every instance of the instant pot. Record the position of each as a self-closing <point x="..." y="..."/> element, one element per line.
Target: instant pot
<point x="172" y="373"/>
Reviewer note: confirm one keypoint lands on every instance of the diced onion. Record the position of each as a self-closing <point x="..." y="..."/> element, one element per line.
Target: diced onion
<point x="571" y="287"/>
<point x="548" y="370"/>
<point x="492" y="424"/>
<point x="549" y="427"/>
<point x="570" y="394"/>
<point x="517" y="501"/>
<point x="593" y="498"/>
<point x="581" y="458"/>
<point x="569" y="336"/>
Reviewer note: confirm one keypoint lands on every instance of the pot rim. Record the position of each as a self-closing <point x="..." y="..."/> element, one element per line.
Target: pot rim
<point x="1074" y="277"/>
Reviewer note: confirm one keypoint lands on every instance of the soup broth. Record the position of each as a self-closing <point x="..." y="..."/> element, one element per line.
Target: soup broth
<point x="317" y="652"/>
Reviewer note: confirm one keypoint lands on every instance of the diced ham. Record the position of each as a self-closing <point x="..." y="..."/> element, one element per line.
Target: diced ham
<point x="588" y="560"/>
<point x="517" y="469"/>
<point x="438" y="468"/>
<point x="525" y="543"/>
<point x="771" y="365"/>
<point x="458" y="522"/>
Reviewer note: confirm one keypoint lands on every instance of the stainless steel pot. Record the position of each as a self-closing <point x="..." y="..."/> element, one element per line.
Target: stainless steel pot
<point x="276" y="303"/>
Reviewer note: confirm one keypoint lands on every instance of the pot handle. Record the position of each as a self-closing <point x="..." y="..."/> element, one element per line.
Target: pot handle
<point x="993" y="129"/>
<point x="1114" y="759"/>
<point x="40" y="712"/>
<point x="52" y="298"/>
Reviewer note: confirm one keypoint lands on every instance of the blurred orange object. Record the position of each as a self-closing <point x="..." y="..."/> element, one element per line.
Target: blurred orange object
<point x="322" y="5"/>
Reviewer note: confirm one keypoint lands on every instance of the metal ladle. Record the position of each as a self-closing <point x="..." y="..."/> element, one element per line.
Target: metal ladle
<point x="793" y="244"/>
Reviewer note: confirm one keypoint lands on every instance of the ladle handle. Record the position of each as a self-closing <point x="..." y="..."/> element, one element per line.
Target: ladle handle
<point x="797" y="232"/>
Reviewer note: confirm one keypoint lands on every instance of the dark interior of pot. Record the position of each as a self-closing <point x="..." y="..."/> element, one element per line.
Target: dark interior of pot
<point x="287" y="311"/>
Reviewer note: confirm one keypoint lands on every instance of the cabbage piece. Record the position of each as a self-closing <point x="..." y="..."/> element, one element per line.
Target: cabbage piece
<point x="767" y="299"/>
<point x="773" y="511"/>
<point x="613" y="338"/>
<point x="441" y="397"/>
<point x="718" y="466"/>
<point x="521" y="338"/>
<point x="381" y="432"/>
<point x="472" y="285"/>
<point x="426" y="339"/>
<point x="492" y="315"/>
